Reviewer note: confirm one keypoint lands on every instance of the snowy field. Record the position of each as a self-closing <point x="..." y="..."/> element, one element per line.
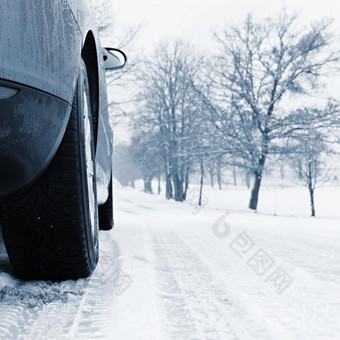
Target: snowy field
<point x="175" y="271"/>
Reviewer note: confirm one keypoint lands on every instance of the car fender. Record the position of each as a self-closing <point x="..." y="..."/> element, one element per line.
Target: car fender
<point x="40" y="49"/>
<point x="40" y="45"/>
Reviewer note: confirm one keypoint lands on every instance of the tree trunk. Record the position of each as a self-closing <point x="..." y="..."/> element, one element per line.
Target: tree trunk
<point x="201" y="184"/>
<point x="182" y="181"/>
<point x="175" y="172"/>
<point x="311" y="188"/>
<point x="300" y="170"/>
<point x="178" y="186"/>
<point x="148" y="185"/>
<point x="312" y="204"/>
<point x="174" y="158"/>
<point x="159" y="184"/>
<point x="186" y="185"/>
<point x="167" y="175"/>
<point x="168" y="186"/>
<point x="257" y="183"/>
<point x="254" y="198"/>
<point x="255" y="191"/>
<point x="177" y="183"/>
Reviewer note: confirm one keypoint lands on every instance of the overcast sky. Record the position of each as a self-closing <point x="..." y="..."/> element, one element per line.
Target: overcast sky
<point x="193" y="19"/>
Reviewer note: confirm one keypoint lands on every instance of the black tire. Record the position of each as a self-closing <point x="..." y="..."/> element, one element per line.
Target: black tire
<point x="51" y="229"/>
<point x="106" y="220"/>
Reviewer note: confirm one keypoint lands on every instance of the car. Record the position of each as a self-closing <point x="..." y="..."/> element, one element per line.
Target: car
<point x="55" y="138"/>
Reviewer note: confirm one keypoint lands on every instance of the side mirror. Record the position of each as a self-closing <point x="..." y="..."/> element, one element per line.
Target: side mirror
<point x="114" y="59"/>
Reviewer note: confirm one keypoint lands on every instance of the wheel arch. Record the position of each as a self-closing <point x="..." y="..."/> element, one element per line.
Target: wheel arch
<point x="90" y="57"/>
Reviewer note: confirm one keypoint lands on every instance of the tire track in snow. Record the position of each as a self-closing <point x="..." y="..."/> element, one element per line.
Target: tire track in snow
<point x="193" y="302"/>
<point x="288" y="314"/>
<point x="219" y="309"/>
<point x="93" y="320"/>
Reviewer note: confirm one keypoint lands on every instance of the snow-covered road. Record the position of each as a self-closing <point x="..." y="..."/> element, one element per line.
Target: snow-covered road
<point x="172" y="271"/>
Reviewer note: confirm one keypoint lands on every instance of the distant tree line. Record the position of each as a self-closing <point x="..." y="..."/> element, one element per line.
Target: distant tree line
<point x="198" y="114"/>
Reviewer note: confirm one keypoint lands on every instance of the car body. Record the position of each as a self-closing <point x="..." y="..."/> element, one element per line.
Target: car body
<point x="40" y="54"/>
<point x="45" y="48"/>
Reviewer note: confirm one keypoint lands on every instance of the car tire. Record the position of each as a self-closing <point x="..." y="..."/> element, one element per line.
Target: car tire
<point x="106" y="220"/>
<point x="51" y="229"/>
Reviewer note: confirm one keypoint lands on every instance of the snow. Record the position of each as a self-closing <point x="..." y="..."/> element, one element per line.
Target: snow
<point x="172" y="271"/>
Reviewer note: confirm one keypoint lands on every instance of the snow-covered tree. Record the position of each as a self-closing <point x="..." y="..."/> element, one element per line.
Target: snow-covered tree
<point x="114" y="33"/>
<point x="259" y="63"/>
<point x="312" y="146"/>
<point x="168" y="111"/>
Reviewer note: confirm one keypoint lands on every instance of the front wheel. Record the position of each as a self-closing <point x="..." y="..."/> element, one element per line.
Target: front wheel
<point x="51" y="229"/>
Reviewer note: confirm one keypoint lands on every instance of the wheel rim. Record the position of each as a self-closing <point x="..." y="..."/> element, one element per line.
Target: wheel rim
<point x="89" y="162"/>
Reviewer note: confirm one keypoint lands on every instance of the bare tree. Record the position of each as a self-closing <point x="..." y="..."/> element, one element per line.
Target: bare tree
<point x="167" y="111"/>
<point x="147" y="156"/>
<point x="103" y="15"/>
<point x="311" y="163"/>
<point x="109" y="30"/>
<point x="312" y="146"/>
<point x="259" y="63"/>
<point x="114" y="33"/>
